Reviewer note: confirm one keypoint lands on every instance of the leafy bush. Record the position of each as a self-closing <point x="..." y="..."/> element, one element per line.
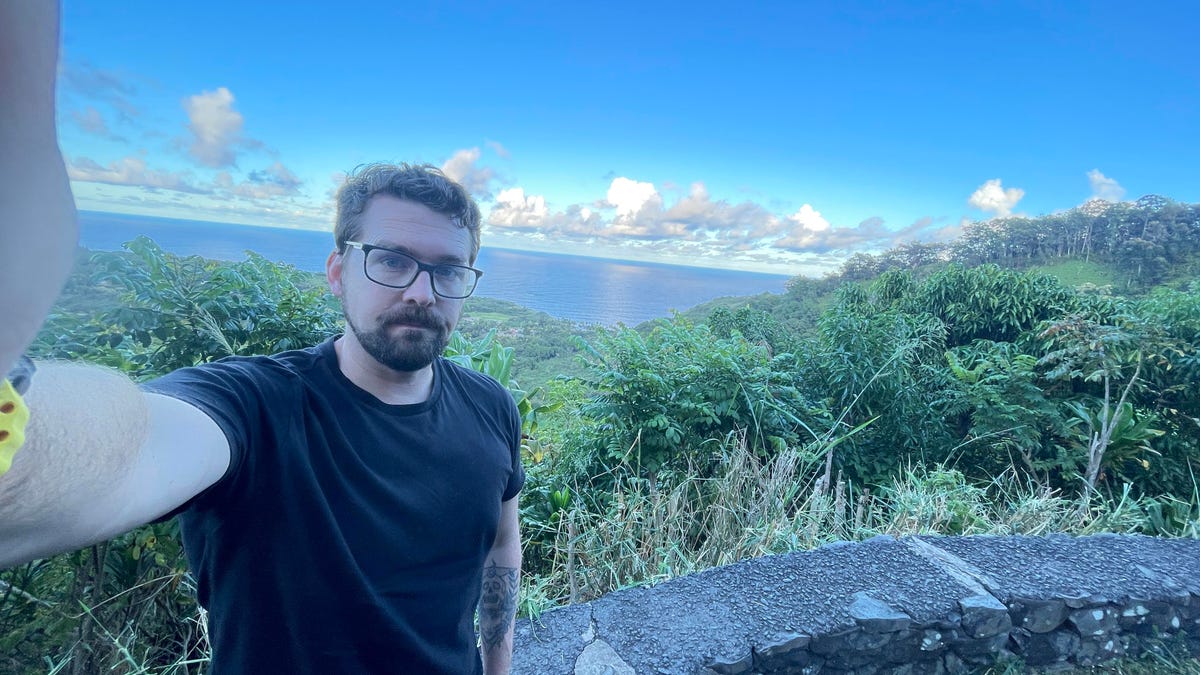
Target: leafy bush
<point x="179" y="311"/>
<point x="665" y="400"/>
<point x="875" y="363"/>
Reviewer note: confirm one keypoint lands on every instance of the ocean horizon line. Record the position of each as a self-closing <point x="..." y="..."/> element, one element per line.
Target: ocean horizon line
<point x="532" y="251"/>
<point x="585" y="289"/>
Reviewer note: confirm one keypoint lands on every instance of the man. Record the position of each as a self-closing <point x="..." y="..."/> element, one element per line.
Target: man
<point x="342" y="507"/>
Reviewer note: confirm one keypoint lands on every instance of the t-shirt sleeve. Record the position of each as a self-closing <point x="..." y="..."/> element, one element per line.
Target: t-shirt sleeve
<point x="229" y="393"/>
<point x="516" y="480"/>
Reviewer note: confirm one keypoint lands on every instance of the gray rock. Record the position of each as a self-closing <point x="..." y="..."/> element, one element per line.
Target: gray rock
<point x="599" y="658"/>
<point x="733" y="666"/>
<point x="905" y="647"/>
<point x="1136" y="612"/>
<point x="1038" y="616"/>
<point x="876" y="616"/>
<point x="1095" y="650"/>
<point x="933" y="640"/>
<point x="982" y="651"/>
<point x="830" y="643"/>
<point x="1044" y="649"/>
<point x="984" y="616"/>
<point x="785" y="649"/>
<point x="866" y="641"/>
<point x="1093" y="621"/>
<point x="952" y="665"/>
<point x="549" y="645"/>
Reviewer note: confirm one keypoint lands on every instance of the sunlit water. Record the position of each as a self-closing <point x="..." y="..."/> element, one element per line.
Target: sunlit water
<point x="589" y="290"/>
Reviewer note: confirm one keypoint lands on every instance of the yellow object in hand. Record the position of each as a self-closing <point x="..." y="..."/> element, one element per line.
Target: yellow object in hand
<point x="14" y="415"/>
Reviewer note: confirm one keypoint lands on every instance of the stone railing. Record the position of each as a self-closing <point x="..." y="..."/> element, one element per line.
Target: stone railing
<point x="887" y="605"/>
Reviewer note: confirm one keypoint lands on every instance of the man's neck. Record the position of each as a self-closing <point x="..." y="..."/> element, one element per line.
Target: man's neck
<point x="390" y="386"/>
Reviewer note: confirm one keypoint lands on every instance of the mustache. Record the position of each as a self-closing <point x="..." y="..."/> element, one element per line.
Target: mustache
<point x="418" y="316"/>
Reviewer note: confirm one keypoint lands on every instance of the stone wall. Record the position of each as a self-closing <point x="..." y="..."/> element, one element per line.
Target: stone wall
<point x="886" y="605"/>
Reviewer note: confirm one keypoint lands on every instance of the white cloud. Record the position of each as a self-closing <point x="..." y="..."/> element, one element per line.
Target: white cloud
<point x="476" y="179"/>
<point x="516" y="210"/>
<point x="1104" y="187"/>
<point x="131" y="171"/>
<point x="271" y="192"/>
<point x="810" y="219"/>
<point x="993" y="198"/>
<point x="804" y="229"/>
<point x="637" y="216"/>
<point x="215" y="126"/>
<point x="629" y="197"/>
<point x="809" y="232"/>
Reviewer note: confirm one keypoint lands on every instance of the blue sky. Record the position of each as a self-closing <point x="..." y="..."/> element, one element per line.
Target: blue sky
<point x="778" y="137"/>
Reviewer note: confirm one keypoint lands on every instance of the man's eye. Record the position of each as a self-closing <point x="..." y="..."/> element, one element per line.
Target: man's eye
<point x="450" y="273"/>
<point x="394" y="261"/>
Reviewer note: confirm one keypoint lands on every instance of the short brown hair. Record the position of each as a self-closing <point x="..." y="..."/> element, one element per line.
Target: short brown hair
<point x="421" y="183"/>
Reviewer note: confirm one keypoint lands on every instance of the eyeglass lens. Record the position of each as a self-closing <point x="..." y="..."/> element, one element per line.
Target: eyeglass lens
<point x="392" y="268"/>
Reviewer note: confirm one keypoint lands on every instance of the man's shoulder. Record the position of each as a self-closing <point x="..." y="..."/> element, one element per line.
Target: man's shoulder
<point x="470" y="379"/>
<point x="285" y="365"/>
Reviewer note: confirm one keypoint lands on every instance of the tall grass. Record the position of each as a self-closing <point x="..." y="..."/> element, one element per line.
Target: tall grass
<point x="647" y="530"/>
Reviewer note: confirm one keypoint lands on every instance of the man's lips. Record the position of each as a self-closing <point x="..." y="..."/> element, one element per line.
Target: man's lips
<point x="411" y="319"/>
<point x="411" y="322"/>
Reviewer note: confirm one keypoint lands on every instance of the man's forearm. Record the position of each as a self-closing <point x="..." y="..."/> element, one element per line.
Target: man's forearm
<point x="86" y="426"/>
<point x="101" y="457"/>
<point x="498" y="608"/>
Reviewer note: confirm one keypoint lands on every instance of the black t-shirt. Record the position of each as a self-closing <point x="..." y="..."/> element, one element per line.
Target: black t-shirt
<point x="348" y="535"/>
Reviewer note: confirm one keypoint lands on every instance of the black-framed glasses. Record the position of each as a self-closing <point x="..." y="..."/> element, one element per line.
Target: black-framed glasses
<point x="397" y="269"/>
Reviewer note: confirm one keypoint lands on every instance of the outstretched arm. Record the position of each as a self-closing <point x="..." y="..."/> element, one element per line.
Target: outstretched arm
<point x="99" y="457"/>
<point x="498" y="602"/>
<point x="37" y="213"/>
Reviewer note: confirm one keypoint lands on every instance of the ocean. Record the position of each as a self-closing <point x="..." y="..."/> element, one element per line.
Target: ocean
<point x="578" y="288"/>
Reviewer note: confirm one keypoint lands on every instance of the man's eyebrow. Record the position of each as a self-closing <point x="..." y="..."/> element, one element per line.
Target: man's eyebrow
<point x="448" y="259"/>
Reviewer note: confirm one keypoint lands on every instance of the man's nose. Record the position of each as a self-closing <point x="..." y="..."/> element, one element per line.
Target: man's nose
<point x="420" y="291"/>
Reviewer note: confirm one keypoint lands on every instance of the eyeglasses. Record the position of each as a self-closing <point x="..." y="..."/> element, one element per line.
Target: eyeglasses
<point x="397" y="269"/>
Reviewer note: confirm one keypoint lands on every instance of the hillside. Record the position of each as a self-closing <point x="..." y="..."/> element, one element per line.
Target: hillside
<point x="1028" y="386"/>
<point x="1127" y="248"/>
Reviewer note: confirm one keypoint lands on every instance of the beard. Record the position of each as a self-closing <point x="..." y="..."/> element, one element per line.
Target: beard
<point x="412" y="350"/>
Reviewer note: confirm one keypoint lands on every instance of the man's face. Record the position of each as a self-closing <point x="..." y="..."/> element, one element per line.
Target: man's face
<point x="404" y="329"/>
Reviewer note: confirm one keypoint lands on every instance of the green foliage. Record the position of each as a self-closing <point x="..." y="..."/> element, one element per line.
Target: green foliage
<point x="937" y="500"/>
<point x="1128" y="452"/>
<point x="874" y="361"/>
<point x="1002" y="413"/>
<point x="754" y="325"/>
<point x="1132" y="246"/>
<point x="93" y="606"/>
<point x="177" y="312"/>
<point x="543" y="347"/>
<point x="663" y="398"/>
<point x="989" y="302"/>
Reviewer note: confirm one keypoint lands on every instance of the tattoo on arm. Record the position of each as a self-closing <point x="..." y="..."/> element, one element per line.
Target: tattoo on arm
<point x="497" y="604"/>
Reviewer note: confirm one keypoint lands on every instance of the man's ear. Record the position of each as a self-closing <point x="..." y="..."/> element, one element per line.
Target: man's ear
<point x="333" y="272"/>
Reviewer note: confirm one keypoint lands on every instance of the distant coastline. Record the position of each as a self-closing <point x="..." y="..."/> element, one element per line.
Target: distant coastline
<point x="579" y="288"/>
